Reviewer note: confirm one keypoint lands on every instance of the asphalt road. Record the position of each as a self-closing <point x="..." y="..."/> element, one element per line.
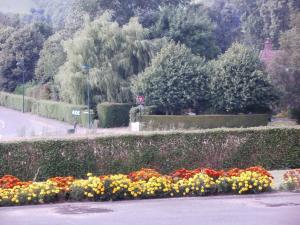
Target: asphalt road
<point x="16" y="124"/>
<point x="265" y="209"/>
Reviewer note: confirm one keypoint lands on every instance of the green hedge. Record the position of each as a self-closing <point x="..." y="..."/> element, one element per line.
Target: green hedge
<point x="154" y="122"/>
<point x="50" y="109"/>
<point x="113" y="114"/>
<point x="16" y="101"/>
<point x="272" y="148"/>
<point x="135" y="113"/>
<point x="60" y="111"/>
<point x="294" y="113"/>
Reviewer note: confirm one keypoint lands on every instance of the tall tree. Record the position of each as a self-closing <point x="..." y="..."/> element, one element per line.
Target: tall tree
<point x="51" y="57"/>
<point x="187" y="25"/>
<point x="263" y="19"/>
<point x="8" y="19"/>
<point x="227" y="21"/>
<point x="285" y="70"/>
<point x="123" y="10"/>
<point x="239" y="83"/>
<point x="57" y="11"/>
<point x="113" y="54"/>
<point x="175" y="80"/>
<point x="24" y="43"/>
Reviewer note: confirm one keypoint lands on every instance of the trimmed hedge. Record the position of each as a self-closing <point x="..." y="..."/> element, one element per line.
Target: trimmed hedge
<point x="272" y="148"/>
<point x="16" y="101"/>
<point x="60" y="111"/>
<point x="294" y="113"/>
<point x="154" y="122"/>
<point x="135" y="113"/>
<point x="50" y="109"/>
<point x="113" y="114"/>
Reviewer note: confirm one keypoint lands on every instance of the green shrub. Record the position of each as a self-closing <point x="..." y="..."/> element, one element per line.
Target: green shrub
<point x="294" y="113"/>
<point x="135" y="113"/>
<point x="49" y="109"/>
<point x="154" y="122"/>
<point x="16" y="101"/>
<point x="113" y="114"/>
<point x="272" y="148"/>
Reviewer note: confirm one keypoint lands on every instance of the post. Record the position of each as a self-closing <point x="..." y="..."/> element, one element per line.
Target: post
<point x="89" y="106"/>
<point x="23" y="92"/>
<point x="20" y="64"/>
<point x="86" y="69"/>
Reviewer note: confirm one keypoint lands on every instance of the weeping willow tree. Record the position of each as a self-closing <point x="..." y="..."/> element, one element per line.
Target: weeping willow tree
<point x="114" y="54"/>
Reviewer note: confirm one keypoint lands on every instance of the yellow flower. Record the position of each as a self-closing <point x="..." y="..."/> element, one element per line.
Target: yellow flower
<point x="90" y="195"/>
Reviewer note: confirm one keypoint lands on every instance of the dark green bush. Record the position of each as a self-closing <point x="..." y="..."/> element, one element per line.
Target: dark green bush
<point x="154" y="122"/>
<point x="113" y="114"/>
<point x="136" y="112"/>
<point x="272" y="148"/>
<point x="294" y="113"/>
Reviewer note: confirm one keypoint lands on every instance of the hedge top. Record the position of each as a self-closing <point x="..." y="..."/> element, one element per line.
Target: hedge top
<point x="272" y="148"/>
<point x="113" y="103"/>
<point x="145" y="134"/>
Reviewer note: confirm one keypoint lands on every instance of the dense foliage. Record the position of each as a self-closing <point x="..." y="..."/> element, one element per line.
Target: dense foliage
<point x="239" y="83"/>
<point x="113" y="115"/>
<point x="188" y="26"/>
<point x="126" y="52"/>
<point x="175" y="80"/>
<point x="21" y="45"/>
<point x="272" y="148"/>
<point x="265" y="18"/>
<point x="285" y="70"/>
<point x="52" y="56"/>
<point x="120" y="40"/>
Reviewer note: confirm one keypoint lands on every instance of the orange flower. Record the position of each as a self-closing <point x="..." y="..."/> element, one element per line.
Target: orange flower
<point x="257" y="169"/>
<point x="62" y="182"/>
<point x="9" y="181"/>
<point x="143" y="174"/>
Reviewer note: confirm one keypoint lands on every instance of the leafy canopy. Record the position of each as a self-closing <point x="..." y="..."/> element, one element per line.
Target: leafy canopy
<point x="176" y="79"/>
<point x="113" y="54"/>
<point x="189" y="26"/>
<point x="239" y="83"/>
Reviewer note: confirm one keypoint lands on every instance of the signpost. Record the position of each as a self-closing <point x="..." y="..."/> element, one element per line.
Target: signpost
<point x="141" y="102"/>
<point x="20" y="64"/>
<point x="86" y="70"/>
<point x="76" y="112"/>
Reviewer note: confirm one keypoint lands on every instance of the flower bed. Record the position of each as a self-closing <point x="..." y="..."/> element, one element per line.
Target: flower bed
<point x="143" y="184"/>
<point x="291" y="180"/>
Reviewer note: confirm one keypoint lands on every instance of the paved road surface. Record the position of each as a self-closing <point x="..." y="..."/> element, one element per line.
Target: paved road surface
<point x="16" y="124"/>
<point x="266" y="209"/>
